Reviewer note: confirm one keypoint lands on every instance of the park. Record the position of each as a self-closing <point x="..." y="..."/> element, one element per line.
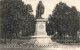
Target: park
<point x="20" y="29"/>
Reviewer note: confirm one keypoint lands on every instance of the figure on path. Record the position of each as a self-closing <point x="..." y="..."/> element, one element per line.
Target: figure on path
<point x="40" y="10"/>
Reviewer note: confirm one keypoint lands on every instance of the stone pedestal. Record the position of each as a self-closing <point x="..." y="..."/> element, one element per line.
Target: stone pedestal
<point x="40" y="27"/>
<point x="40" y="37"/>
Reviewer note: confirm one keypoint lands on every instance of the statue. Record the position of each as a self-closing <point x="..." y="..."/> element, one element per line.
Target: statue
<point x="40" y="10"/>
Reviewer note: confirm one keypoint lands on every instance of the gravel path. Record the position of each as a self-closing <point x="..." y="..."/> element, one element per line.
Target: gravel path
<point x="54" y="46"/>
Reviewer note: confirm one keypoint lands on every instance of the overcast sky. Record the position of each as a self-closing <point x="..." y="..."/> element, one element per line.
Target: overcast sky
<point x="50" y="5"/>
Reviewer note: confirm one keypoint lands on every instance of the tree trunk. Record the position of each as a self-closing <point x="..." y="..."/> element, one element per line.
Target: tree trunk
<point x="60" y="39"/>
<point x="73" y="37"/>
<point x="10" y="40"/>
<point x="10" y="37"/>
<point x="5" y="41"/>
<point x="59" y="35"/>
<point x="64" y="37"/>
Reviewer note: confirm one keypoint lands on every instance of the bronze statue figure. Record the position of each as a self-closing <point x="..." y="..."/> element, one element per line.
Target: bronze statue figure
<point x="40" y="10"/>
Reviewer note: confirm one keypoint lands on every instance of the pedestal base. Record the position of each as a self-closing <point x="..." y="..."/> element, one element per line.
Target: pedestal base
<point x="41" y="41"/>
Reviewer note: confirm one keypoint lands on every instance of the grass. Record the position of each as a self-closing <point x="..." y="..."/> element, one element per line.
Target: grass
<point x="66" y="41"/>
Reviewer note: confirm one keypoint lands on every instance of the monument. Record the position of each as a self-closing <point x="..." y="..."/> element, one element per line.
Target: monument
<point x="40" y="37"/>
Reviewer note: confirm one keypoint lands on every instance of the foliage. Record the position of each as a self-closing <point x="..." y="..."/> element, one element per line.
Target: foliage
<point x="15" y="14"/>
<point x="63" y="20"/>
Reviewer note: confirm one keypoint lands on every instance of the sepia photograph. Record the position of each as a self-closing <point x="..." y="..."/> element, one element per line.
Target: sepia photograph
<point x="39" y="24"/>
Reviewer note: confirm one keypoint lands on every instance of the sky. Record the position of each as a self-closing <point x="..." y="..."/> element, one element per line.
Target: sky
<point x="50" y="5"/>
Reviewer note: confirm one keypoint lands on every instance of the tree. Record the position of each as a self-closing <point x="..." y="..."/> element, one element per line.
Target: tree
<point x="10" y="13"/>
<point x="75" y="21"/>
<point x="64" y="20"/>
<point x="16" y="17"/>
<point x="50" y="26"/>
<point x="79" y="20"/>
<point x="27" y="24"/>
